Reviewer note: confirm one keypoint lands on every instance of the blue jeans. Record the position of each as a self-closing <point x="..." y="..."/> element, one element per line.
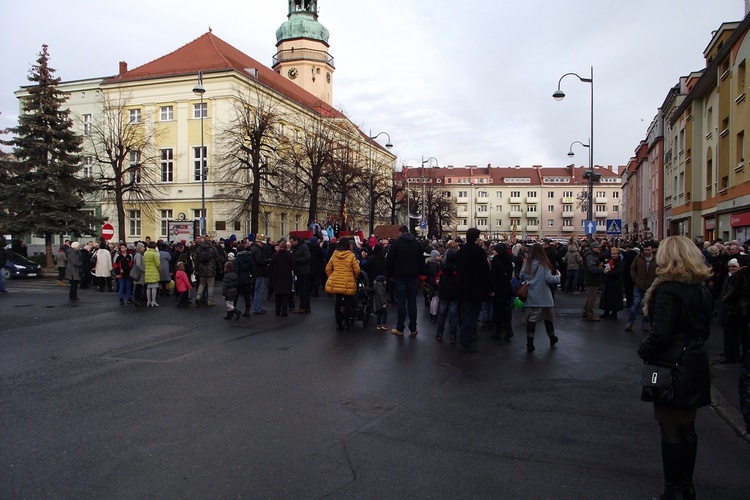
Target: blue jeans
<point x="637" y="299"/>
<point x="487" y="311"/>
<point x="406" y="298"/>
<point x="469" y="323"/>
<point x="571" y="282"/>
<point x="2" y="280"/>
<point x="124" y="285"/>
<point x="447" y="309"/>
<point x="260" y="283"/>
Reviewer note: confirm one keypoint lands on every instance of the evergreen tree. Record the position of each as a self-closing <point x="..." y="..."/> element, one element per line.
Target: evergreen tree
<point x="44" y="191"/>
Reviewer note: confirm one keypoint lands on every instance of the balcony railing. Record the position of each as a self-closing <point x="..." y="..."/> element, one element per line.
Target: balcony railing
<point x="302" y="54"/>
<point x="568" y="229"/>
<point x="568" y="215"/>
<point x="601" y="214"/>
<point x="600" y="199"/>
<point x="532" y="228"/>
<point x="515" y="214"/>
<point x="462" y="227"/>
<point x="532" y="199"/>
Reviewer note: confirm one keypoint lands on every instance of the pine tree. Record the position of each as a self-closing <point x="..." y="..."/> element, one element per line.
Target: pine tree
<point x="44" y="191"/>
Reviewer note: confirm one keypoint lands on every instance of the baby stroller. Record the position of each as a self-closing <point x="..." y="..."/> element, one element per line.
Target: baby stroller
<point x="362" y="308"/>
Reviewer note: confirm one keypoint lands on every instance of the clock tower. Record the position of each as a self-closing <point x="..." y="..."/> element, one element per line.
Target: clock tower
<point x="302" y="50"/>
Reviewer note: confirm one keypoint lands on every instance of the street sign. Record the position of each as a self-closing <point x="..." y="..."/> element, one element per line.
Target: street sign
<point x="614" y="226"/>
<point x="423" y="224"/>
<point x="589" y="226"/>
<point x="108" y="231"/>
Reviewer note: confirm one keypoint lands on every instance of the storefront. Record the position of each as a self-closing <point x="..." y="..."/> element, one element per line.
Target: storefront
<point x="709" y="229"/>
<point x="740" y="224"/>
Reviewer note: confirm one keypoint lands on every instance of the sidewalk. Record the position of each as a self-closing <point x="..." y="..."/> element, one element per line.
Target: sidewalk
<point x="725" y="398"/>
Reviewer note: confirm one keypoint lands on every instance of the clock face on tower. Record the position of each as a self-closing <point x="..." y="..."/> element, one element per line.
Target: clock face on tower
<point x="293" y="73"/>
<point x="328" y="77"/>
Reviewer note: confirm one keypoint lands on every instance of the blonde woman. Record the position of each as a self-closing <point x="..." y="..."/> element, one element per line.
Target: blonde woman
<point x="680" y="307"/>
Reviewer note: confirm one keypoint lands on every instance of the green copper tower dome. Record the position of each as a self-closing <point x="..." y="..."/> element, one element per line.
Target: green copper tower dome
<point x="302" y="22"/>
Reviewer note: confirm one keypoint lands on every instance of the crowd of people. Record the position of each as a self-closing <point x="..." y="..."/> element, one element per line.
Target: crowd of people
<point x="677" y="286"/>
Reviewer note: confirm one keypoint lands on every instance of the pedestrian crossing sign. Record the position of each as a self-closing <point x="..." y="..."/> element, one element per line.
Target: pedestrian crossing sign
<point x="614" y="226"/>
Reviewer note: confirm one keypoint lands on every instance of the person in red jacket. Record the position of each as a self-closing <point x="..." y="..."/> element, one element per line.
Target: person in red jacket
<point x="182" y="285"/>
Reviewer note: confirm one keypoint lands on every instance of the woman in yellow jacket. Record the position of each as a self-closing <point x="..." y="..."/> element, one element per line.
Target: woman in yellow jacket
<point x="153" y="265"/>
<point x="342" y="270"/>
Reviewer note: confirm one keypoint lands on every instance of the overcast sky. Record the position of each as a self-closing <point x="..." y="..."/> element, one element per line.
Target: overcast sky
<point x="468" y="82"/>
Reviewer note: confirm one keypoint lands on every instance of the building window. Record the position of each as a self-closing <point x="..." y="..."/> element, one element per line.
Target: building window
<point x="135" y="167"/>
<point x="135" y="116"/>
<point x="616" y="194"/>
<point x="531" y="208"/>
<point x="498" y="222"/>
<point x="567" y="194"/>
<point x="531" y="194"/>
<point x="482" y="194"/>
<point x="134" y="222"/>
<point x="567" y="222"/>
<point x="282" y="222"/>
<point x="482" y="208"/>
<point x="515" y="194"/>
<point x="462" y="194"/>
<point x="550" y="223"/>
<point x="220" y="225"/>
<point x="551" y="209"/>
<point x="86" y="124"/>
<point x="296" y="222"/>
<point x="481" y="222"/>
<point x="615" y="208"/>
<point x="88" y="167"/>
<point x="165" y="216"/>
<point x="499" y="194"/>
<point x="601" y="208"/>
<point x="515" y="208"/>
<point x="166" y="113"/>
<point x="197" y="215"/>
<point x="200" y="109"/>
<point x="237" y="225"/>
<point x="199" y="158"/>
<point x="167" y="165"/>
<point x="550" y="194"/>
<point x="567" y="208"/>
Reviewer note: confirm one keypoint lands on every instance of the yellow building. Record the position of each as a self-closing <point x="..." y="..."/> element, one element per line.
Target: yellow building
<point x="173" y="117"/>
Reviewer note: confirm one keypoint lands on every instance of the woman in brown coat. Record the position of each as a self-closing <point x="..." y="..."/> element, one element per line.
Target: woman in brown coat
<point x="342" y="271"/>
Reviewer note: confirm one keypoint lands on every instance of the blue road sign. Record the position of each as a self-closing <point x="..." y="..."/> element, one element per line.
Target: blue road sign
<point x="614" y="226"/>
<point x="589" y="226"/>
<point x="423" y="224"/>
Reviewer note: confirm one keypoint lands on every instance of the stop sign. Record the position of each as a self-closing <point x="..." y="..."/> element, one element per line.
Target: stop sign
<point x="108" y="231"/>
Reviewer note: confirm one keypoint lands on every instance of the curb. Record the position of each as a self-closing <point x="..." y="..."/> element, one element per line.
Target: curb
<point x="729" y="413"/>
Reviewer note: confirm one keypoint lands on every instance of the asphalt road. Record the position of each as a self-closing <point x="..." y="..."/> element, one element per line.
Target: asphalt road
<point x="103" y="401"/>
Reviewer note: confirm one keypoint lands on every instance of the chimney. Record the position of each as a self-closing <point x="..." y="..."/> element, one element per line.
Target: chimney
<point x="123" y="68"/>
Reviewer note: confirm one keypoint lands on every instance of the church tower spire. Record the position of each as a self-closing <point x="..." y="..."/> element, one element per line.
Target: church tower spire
<point x="302" y="50"/>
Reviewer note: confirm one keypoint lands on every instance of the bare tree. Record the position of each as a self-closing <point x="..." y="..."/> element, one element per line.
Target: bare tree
<point x="247" y="151"/>
<point x="583" y="200"/>
<point x="308" y="161"/>
<point x="344" y="175"/>
<point x="126" y="161"/>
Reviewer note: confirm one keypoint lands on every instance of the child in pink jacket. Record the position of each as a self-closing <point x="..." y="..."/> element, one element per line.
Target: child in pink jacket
<point x="182" y="285"/>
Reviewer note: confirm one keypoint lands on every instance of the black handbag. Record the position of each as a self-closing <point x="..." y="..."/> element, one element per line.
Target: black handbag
<point x="658" y="381"/>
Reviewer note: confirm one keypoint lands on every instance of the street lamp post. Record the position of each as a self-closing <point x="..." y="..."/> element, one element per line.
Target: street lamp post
<point x="372" y="205"/>
<point x="424" y="221"/>
<point x="559" y="95"/>
<point x="199" y="90"/>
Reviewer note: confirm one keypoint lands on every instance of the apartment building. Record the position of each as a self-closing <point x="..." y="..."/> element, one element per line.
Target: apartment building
<point x="524" y="202"/>
<point x="697" y="143"/>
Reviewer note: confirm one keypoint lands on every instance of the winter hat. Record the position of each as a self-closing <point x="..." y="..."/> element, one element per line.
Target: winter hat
<point x="733" y="262"/>
<point x="314" y="240"/>
<point x="380" y="278"/>
<point x="75" y="245"/>
<point x="434" y="253"/>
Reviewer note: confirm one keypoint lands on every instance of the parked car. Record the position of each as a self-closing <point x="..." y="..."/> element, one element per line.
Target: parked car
<point x="19" y="266"/>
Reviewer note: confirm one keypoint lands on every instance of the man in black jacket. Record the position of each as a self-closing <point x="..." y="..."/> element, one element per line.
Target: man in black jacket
<point x="404" y="263"/>
<point x="475" y="287"/>
<point x="261" y="258"/>
<point x="302" y="257"/>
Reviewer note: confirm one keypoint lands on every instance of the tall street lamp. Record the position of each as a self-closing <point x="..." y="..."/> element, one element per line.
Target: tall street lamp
<point x="372" y="205"/>
<point x="558" y="95"/>
<point x="589" y="175"/>
<point x="199" y="90"/>
<point x="437" y="164"/>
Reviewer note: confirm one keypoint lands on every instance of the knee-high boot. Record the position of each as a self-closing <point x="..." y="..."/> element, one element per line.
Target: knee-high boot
<point x="530" y="327"/>
<point x="672" y="462"/>
<point x="689" y="452"/>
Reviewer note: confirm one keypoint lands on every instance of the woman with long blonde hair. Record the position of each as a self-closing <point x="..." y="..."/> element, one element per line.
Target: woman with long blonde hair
<point x="680" y="307"/>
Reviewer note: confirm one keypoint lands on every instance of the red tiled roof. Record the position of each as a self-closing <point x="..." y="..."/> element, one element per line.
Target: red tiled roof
<point x="211" y="54"/>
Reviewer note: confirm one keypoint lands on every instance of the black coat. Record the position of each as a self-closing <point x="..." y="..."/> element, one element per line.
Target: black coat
<point x="281" y="272"/>
<point x="405" y="259"/>
<point x="613" y="289"/>
<point x="243" y="264"/>
<point x="474" y="279"/>
<point x="502" y="272"/>
<point x="680" y="315"/>
<point x="448" y="277"/>
<point x="302" y="258"/>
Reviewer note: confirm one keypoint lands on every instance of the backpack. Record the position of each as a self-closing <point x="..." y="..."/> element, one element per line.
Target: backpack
<point x="204" y="255"/>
